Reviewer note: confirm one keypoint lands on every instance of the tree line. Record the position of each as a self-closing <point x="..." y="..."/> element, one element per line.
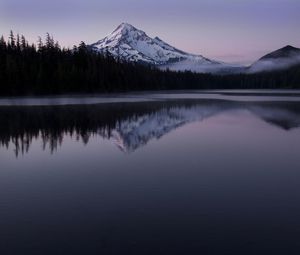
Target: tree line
<point x="48" y="68"/>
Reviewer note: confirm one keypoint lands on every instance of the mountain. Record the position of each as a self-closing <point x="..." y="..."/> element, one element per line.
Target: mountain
<point x="131" y="44"/>
<point x="285" y="52"/>
<point x="277" y="60"/>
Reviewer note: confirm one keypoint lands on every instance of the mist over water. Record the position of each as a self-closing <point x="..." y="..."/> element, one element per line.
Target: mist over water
<point x="274" y="64"/>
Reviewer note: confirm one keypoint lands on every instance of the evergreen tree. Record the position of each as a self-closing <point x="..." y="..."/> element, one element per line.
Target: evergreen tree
<point x="82" y="47"/>
<point x="12" y="40"/>
<point x="24" y="44"/>
<point x="2" y="43"/>
<point x="18" y="43"/>
<point x="40" y="44"/>
<point x="48" y="69"/>
<point x="49" y="41"/>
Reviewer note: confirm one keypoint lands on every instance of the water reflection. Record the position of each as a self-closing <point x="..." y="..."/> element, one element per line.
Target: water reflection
<point x="129" y="125"/>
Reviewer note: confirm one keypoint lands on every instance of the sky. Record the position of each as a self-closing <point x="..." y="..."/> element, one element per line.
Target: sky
<point x="236" y="31"/>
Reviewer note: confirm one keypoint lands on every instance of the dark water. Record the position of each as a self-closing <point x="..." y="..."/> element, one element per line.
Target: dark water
<point x="163" y="177"/>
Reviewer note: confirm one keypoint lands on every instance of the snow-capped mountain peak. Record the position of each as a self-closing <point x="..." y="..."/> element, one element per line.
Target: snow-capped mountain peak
<point x="125" y="30"/>
<point x="131" y="44"/>
<point x="127" y="43"/>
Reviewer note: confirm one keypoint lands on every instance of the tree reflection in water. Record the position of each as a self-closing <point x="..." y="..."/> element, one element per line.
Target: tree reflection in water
<point x="130" y="125"/>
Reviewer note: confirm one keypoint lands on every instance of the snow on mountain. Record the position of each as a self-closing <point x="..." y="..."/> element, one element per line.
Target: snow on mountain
<point x="130" y="44"/>
<point x="276" y="60"/>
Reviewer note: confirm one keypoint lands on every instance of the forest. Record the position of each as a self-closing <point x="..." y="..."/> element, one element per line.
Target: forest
<point x="46" y="68"/>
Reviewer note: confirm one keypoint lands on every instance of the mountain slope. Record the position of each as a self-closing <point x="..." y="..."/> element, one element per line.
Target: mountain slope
<point x="276" y="60"/>
<point x="130" y="44"/>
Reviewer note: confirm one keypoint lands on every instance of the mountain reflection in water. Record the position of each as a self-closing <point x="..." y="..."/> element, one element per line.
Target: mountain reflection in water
<point x="129" y="125"/>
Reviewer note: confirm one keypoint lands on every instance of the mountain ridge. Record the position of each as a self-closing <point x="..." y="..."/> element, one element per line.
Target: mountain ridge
<point x="128" y="43"/>
<point x="286" y="51"/>
<point x="280" y="59"/>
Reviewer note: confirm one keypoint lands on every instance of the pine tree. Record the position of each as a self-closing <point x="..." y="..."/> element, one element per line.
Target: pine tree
<point x="50" y="69"/>
<point x="2" y="43"/>
<point x="24" y="44"/>
<point x="82" y="47"/>
<point x="49" y="41"/>
<point x="40" y="44"/>
<point x="57" y="46"/>
<point x="12" y="40"/>
<point x="18" y="43"/>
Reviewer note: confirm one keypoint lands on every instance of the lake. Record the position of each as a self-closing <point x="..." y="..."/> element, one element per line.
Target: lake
<point x="156" y="173"/>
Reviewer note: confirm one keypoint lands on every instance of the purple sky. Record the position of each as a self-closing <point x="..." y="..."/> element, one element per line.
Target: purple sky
<point x="228" y="30"/>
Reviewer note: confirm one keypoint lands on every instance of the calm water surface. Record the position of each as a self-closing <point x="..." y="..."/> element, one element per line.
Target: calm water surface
<point x="168" y="175"/>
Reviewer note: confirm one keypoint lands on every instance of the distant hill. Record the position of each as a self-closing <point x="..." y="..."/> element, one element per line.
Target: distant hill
<point x="283" y="58"/>
<point x="285" y="52"/>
